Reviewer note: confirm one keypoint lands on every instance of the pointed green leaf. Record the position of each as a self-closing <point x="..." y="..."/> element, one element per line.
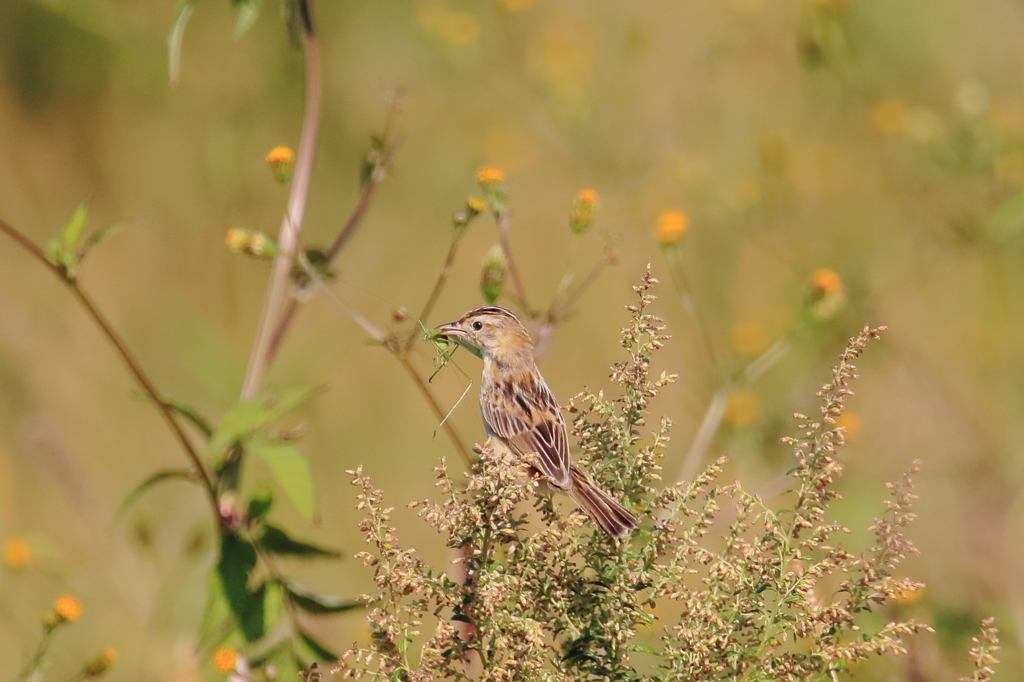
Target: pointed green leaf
<point x="290" y="469"/>
<point x="317" y="604"/>
<point x="101" y="234"/>
<point x="276" y="541"/>
<point x="248" y="416"/>
<point x="237" y="560"/>
<point x="189" y="413"/>
<point x="248" y="11"/>
<point x="72" y="232"/>
<point x="319" y="650"/>
<point x="158" y="477"/>
<point x="260" y="504"/>
<point x="217" y="623"/>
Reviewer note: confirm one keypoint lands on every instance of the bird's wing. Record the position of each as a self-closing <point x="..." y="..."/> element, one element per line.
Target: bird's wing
<point x="531" y="423"/>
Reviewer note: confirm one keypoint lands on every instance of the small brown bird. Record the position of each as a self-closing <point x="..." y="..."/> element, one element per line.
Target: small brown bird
<point x="521" y="412"/>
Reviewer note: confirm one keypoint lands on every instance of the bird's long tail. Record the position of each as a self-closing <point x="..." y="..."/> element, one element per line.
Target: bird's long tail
<point x="606" y="512"/>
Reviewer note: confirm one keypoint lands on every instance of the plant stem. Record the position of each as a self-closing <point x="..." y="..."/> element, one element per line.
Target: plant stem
<point x="353" y="222"/>
<point x="425" y="389"/>
<point x="280" y="273"/>
<point x="517" y="282"/>
<point x="122" y="349"/>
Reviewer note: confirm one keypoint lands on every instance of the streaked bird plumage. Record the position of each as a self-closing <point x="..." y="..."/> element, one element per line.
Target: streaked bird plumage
<point x="521" y="412"/>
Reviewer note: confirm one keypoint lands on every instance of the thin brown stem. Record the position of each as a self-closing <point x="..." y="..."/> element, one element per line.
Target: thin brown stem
<point x="436" y="406"/>
<point x="277" y="290"/>
<point x="559" y="310"/>
<point x="442" y="279"/>
<point x="122" y="349"/>
<point x="349" y="229"/>
<point x="513" y="270"/>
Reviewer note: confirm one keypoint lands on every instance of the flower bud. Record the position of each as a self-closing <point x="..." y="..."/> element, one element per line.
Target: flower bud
<point x="491" y="181"/>
<point x="828" y="295"/>
<point x="671" y="226"/>
<point x="282" y="163"/>
<point x="101" y="663"/>
<point x="583" y="210"/>
<point x="493" y="274"/>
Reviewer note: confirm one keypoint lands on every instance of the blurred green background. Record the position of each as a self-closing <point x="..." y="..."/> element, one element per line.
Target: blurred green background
<point x="881" y="140"/>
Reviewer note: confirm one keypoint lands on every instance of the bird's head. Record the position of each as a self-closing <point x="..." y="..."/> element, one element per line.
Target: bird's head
<point x="495" y="331"/>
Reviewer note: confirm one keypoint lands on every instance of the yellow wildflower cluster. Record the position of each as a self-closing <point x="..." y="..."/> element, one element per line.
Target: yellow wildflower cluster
<point x="583" y="210"/>
<point x="671" y="226"/>
<point x="224" y="660"/>
<point x="17" y="554"/>
<point x="490" y="176"/>
<point x="282" y="163"/>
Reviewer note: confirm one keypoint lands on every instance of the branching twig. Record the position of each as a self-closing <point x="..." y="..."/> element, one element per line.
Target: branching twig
<point x="122" y="350"/>
<point x="353" y="222"/>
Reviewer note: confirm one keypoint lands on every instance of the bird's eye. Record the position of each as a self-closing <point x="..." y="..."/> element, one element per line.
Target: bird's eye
<point x="478" y="325"/>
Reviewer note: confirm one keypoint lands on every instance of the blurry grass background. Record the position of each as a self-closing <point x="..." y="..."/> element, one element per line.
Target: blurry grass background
<point x="882" y="140"/>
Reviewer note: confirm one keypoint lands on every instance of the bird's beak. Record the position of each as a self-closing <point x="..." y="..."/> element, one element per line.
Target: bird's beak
<point x="452" y="330"/>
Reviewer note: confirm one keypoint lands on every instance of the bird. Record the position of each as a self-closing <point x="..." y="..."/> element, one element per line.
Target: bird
<point x="520" y="411"/>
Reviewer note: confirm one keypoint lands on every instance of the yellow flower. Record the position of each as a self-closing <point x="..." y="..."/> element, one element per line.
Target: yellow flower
<point x="476" y="205"/>
<point x="224" y="660"/>
<point x="850" y="421"/>
<point x="583" y="210"/>
<point x="826" y="282"/>
<point x="282" y="163"/>
<point x="17" y="553"/>
<point x="749" y="338"/>
<point x="889" y="117"/>
<point x="101" y="663"/>
<point x="490" y="176"/>
<point x="67" y="608"/>
<point x="236" y="239"/>
<point x="741" y="409"/>
<point x="671" y="226"/>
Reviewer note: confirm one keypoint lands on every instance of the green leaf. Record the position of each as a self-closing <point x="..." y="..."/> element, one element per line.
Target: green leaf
<point x="190" y="414"/>
<point x="318" y="649"/>
<point x="643" y="649"/>
<point x="260" y="504"/>
<point x="276" y="541"/>
<point x="101" y="234"/>
<point x="182" y="14"/>
<point x="217" y="623"/>
<point x="248" y="416"/>
<point x="72" y="232"/>
<point x="290" y="469"/>
<point x="248" y="11"/>
<point x="317" y="604"/>
<point x="158" y="477"/>
<point x="237" y="561"/>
